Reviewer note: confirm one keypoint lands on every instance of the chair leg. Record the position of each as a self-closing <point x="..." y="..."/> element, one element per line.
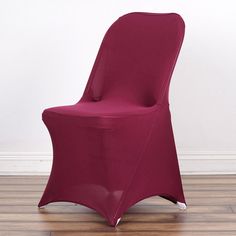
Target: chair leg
<point x="117" y="222"/>
<point x="181" y="205"/>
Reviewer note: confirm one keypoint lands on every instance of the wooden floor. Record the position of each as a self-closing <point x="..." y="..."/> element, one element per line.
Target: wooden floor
<point x="211" y="211"/>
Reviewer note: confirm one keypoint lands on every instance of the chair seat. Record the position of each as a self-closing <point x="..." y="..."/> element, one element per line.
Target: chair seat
<point x="99" y="109"/>
<point x="102" y="114"/>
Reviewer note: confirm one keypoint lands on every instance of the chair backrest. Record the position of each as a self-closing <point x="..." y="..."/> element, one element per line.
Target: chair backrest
<point x="136" y="59"/>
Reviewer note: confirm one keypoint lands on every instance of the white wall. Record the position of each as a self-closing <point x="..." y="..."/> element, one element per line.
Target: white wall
<point x="47" y="49"/>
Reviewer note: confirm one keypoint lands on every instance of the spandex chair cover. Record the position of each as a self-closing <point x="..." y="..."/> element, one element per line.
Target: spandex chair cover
<point x="115" y="146"/>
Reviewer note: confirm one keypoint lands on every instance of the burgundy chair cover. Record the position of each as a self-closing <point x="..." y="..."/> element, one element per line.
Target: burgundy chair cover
<point x="115" y="146"/>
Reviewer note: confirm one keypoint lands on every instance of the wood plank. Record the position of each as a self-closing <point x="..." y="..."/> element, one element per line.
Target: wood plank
<point x="188" y="194"/>
<point x="147" y="218"/>
<point x="141" y="209"/>
<point x="19" y="194"/>
<point x="173" y="209"/>
<point x="28" y="202"/>
<point x="23" y="181"/>
<point x="209" y="181"/>
<point x="126" y="226"/>
<point x="210" y="194"/>
<point x="200" y="179"/>
<point x="225" y="176"/>
<point x="25" y="176"/>
<point x="193" y="201"/>
<point x="28" y="187"/>
<point x="149" y="201"/>
<point x="189" y="187"/>
<point x="209" y="187"/>
<point x="24" y="233"/>
<point x="156" y="233"/>
<point x="53" y="209"/>
<point x="230" y="176"/>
